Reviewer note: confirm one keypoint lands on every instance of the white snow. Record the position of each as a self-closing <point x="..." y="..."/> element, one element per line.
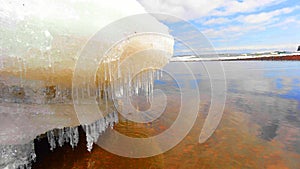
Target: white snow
<point x="192" y="58"/>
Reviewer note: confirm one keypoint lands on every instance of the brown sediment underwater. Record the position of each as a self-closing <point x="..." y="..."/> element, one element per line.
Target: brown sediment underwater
<point x="233" y="145"/>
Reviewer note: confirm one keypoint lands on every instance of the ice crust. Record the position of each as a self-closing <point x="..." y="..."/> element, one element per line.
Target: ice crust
<point x="39" y="48"/>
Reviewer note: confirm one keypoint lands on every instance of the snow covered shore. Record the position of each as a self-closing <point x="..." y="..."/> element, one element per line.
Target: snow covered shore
<point x="284" y="56"/>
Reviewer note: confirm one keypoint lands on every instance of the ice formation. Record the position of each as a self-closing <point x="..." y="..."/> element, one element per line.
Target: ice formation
<point x="17" y="156"/>
<point x="39" y="48"/>
<point x="68" y="134"/>
<point x="94" y="130"/>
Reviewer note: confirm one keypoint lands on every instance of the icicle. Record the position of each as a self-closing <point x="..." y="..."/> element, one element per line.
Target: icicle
<point x="65" y="135"/>
<point x="89" y="143"/>
<point x="17" y="156"/>
<point x="99" y="90"/>
<point x="94" y="130"/>
<point x="105" y="98"/>
<point x="118" y="67"/>
<point x="109" y="71"/>
<point x="73" y="136"/>
<point x="51" y="140"/>
<point x="105" y="73"/>
<point x="137" y="90"/>
<point x="157" y="75"/>
<point x="121" y="91"/>
<point x="116" y="117"/>
<point x="61" y="138"/>
<point x="161" y="74"/>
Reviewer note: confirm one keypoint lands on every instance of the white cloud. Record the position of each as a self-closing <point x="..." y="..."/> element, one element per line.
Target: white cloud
<point x="252" y="22"/>
<point x="282" y="47"/>
<point x="186" y="9"/>
<point x="231" y="31"/>
<point x="191" y="9"/>
<point x="265" y="16"/>
<point x="216" y="21"/>
<point x="286" y="22"/>
<point x="234" y="6"/>
<point x="229" y="20"/>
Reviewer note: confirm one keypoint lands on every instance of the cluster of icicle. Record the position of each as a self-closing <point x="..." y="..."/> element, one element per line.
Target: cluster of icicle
<point x="21" y="156"/>
<point x="71" y="135"/>
<point x="17" y="156"/>
<point x="94" y="130"/>
<point x="65" y="135"/>
<point x="110" y="89"/>
<point x="131" y="84"/>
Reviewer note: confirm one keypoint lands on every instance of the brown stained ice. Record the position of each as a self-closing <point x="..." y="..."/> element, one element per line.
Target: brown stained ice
<point x="37" y="63"/>
<point x="44" y="100"/>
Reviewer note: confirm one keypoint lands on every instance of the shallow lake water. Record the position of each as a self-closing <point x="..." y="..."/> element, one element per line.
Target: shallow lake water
<point x="260" y="127"/>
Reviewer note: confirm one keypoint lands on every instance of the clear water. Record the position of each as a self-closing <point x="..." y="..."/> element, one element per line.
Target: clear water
<point x="260" y="127"/>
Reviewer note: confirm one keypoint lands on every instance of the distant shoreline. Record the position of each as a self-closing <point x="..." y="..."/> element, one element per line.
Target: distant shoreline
<point x="278" y="57"/>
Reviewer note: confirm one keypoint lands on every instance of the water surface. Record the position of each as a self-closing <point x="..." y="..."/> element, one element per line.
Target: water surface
<point x="260" y="127"/>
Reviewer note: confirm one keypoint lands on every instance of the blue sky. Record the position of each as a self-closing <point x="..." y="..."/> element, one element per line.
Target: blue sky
<point x="239" y="25"/>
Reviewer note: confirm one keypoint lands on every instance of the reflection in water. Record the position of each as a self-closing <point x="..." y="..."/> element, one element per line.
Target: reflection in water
<point x="260" y="127"/>
<point x="269" y="130"/>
